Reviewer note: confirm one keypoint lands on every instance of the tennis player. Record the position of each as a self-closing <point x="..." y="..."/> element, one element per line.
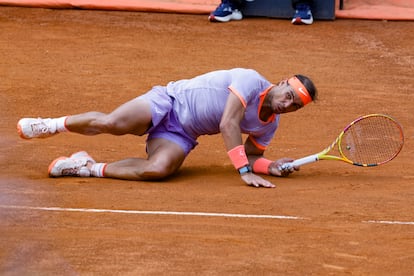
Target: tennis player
<point x="230" y="102"/>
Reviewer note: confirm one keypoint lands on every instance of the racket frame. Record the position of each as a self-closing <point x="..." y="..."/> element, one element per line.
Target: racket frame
<point x="324" y="156"/>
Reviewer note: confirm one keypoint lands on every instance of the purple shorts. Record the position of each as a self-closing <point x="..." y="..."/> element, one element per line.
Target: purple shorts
<point x="164" y="120"/>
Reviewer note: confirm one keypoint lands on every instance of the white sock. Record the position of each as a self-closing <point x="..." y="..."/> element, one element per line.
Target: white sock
<point x="61" y="124"/>
<point x="98" y="169"/>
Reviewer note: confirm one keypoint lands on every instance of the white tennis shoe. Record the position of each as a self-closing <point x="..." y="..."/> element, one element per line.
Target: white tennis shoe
<point x="83" y="155"/>
<point x="75" y="165"/>
<point x="29" y="128"/>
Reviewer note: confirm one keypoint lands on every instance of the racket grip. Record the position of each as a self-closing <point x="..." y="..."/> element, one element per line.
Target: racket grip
<point x="300" y="162"/>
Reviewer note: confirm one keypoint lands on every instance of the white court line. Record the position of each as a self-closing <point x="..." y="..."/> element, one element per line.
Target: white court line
<point x="86" y="210"/>
<point x="171" y="213"/>
<point x="390" y="222"/>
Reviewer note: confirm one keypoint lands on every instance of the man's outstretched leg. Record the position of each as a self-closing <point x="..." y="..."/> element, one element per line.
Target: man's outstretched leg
<point x="133" y="117"/>
<point x="164" y="159"/>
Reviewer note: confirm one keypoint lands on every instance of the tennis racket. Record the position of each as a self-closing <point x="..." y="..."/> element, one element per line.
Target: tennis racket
<point x="370" y="140"/>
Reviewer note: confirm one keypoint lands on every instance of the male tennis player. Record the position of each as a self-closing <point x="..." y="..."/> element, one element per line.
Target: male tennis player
<point x="230" y="102"/>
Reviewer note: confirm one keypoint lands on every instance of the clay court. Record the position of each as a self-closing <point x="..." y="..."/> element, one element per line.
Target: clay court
<point x="330" y="218"/>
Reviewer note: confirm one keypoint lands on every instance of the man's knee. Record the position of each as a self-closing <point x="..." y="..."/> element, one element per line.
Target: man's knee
<point x="108" y="124"/>
<point x="155" y="171"/>
<point x="152" y="174"/>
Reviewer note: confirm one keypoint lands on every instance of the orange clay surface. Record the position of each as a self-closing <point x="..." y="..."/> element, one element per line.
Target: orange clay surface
<point x="349" y="220"/>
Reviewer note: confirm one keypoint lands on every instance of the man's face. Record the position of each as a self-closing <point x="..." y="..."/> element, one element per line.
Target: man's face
<point x="285" y="99"/>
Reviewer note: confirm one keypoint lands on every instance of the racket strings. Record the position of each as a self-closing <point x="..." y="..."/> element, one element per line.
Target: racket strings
<point x="372" y="140"/>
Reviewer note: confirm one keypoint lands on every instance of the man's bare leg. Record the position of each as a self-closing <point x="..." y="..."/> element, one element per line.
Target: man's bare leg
<point x="133" y="117"/>
<point x="164" y="159"/>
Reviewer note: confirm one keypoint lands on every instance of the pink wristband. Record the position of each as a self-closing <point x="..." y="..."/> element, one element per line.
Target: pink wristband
<point x="261" y="165"/>
<point x="238" y="157"/>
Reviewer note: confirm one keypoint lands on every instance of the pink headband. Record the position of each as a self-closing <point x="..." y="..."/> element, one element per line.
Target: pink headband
<point x="300" y="90"/>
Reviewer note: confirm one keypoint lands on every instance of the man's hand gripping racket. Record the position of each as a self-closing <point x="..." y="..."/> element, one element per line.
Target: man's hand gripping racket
<point x="368" y="141"/>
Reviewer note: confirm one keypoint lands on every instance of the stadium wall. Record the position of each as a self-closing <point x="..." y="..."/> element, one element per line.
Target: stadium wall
<point x="357" y="9"/>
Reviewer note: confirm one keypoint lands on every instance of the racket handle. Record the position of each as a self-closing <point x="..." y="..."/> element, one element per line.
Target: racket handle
<point x="300" y="162"/>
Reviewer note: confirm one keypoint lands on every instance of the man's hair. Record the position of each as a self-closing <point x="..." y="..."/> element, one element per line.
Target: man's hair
<point x="307" y="82"/>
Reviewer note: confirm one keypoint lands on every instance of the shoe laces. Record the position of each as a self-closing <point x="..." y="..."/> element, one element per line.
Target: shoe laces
<point x="303" y="10"/>
<point x="225" y="6"/>
<point x="40" y="127"/>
